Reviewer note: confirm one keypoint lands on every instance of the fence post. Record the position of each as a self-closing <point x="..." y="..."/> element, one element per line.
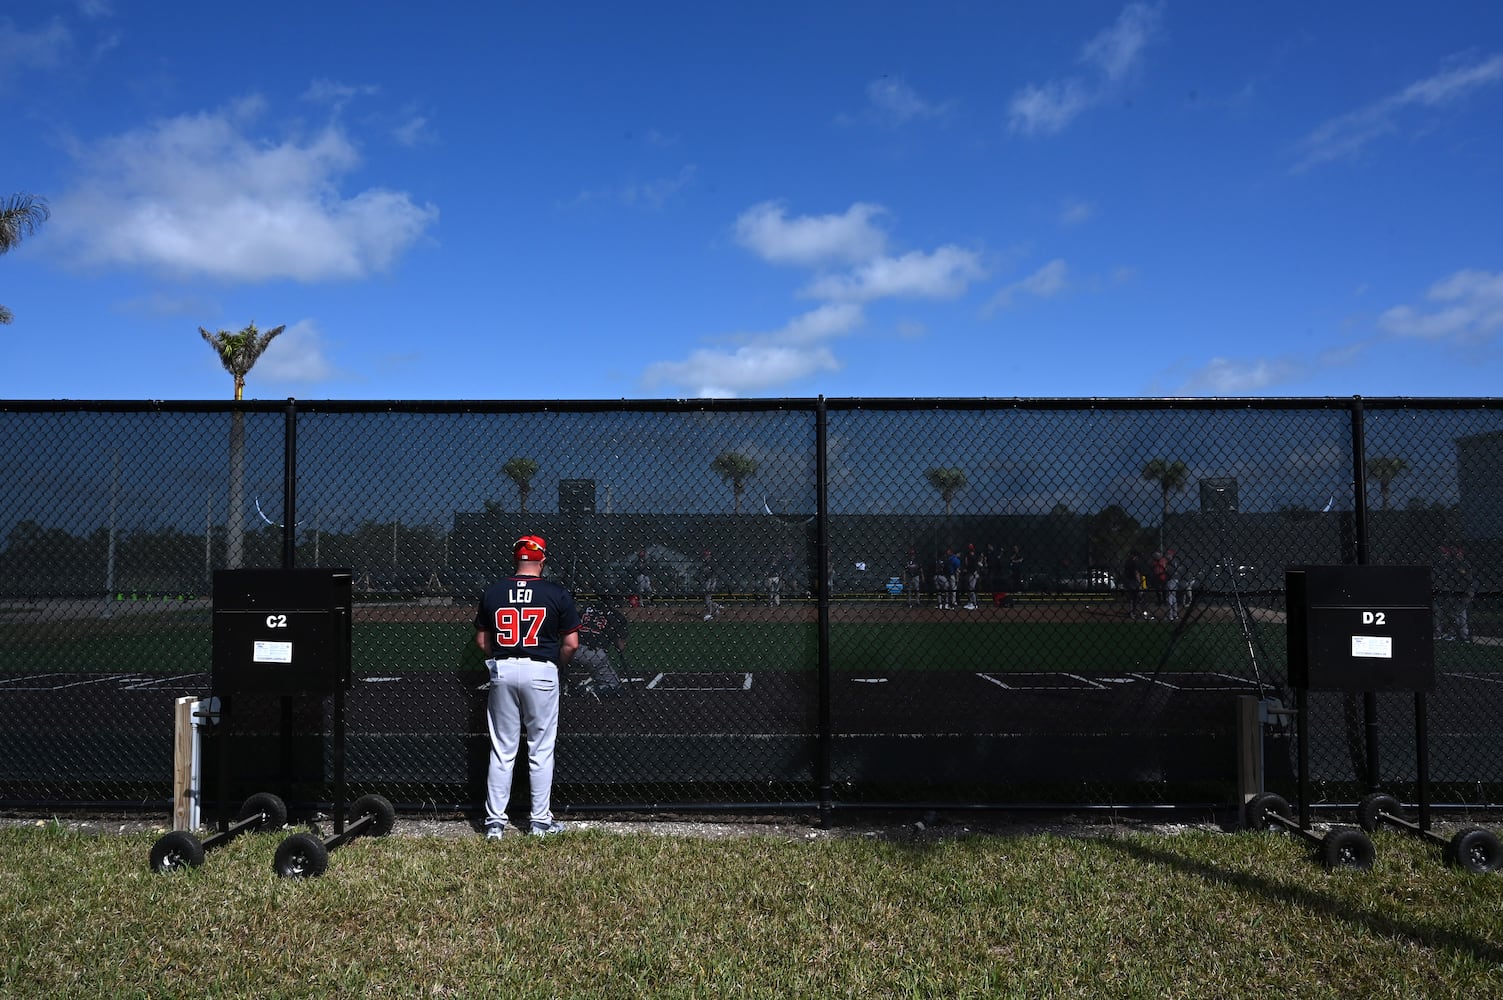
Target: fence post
<point x="289" y="485"/>
<point x="1372" y="766"/>
<point x="1249" y="750"/>
<point x="822" y="545"/>
<point x="184" y="790"/>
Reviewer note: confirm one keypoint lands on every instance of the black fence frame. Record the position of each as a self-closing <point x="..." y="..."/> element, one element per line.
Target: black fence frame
<point x="827" y="795"/>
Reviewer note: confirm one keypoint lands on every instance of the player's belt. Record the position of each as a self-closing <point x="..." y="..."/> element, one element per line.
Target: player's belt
<point x="522" y="656"/>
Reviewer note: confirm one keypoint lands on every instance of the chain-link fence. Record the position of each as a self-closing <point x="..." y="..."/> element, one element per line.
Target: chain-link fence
<point x="827" y="602"/>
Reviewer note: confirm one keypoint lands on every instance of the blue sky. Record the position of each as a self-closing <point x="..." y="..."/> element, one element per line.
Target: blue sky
<point x="664" y="200"/>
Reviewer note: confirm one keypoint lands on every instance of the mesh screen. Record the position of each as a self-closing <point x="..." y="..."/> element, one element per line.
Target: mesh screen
<point x="824" y="602"/>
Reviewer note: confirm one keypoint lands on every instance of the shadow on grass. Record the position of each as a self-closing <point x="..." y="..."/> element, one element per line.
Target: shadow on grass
<point x="1426" y="935"/>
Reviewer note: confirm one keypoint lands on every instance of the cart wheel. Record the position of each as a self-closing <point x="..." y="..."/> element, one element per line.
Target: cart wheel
<point x="1347" y="848"/>
<point x="1264" y="805"/>
<point x="378" y="806"/>
<point x="272" y="809"/>
<point x="176" y="850"/>
<point x="1369" y="807"/>
<point x="1474" y="849"/>
<point x="302" y="855"/>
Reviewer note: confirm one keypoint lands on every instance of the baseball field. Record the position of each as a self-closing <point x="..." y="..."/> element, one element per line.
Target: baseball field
<point x="922" y="701"/>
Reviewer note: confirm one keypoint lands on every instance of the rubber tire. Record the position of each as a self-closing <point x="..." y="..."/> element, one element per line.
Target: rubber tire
<point x="379" y="807"/>
<point x="175" y="851"/>
<point x="301" y="855"/>
<point x="1371" y="805"/>
<point x="271" y="805"/>
<point x="1255" y="814"/>
<point x="1475" y="850"/>
<point x="1346" y="847"/>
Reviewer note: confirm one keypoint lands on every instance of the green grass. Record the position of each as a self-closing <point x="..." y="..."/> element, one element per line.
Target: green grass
<point x="602" y="915"/>
<point x="169" y="644"/>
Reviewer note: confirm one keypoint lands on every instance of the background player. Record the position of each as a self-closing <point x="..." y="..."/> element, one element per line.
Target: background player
<point x="528" y="630"/>
<point x="602" y="629"/>
<point x="913" y="579"/>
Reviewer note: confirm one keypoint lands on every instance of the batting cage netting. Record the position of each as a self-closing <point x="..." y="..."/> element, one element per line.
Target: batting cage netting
<point x="819" y="603"/>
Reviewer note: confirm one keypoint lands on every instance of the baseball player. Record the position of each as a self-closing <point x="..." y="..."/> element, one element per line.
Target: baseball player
<point x="708" y="581"/>
<point x="527" y="628"/>
<point x="775" y="582"/>
<point x="602" y="629"/>
<point x="913" y="579"/>
<point x="975" y="565"/>
<point x="644" y="579"/>
<point x="942" y="583"/>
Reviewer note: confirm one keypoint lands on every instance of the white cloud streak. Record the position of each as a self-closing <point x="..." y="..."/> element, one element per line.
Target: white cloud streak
<point x="894" y="102"/>
<point x="848" y="252"/>
<point x="1466" y="308"/>
<point x="943" y="274"/>
<point x="42" y="48"/>
<point x="1346" y="135"/>
<point x="1111" y="60"/>
<point x="811" y="241"/>
<point x="298" y="354"/>
<point x="1239" y="377"/>
<point x="1076" y="213"/>
<point x="769" y="360"/>
<point x="1048" y="281"/>
<point x="207" y="196"/>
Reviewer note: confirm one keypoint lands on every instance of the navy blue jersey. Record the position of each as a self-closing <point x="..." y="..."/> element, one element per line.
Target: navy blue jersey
<point x="602" y="628"/>
<point x="526" y="616"/>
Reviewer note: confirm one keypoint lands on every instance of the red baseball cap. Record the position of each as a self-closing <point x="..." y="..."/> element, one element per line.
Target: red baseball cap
<point x="530" y="548"/>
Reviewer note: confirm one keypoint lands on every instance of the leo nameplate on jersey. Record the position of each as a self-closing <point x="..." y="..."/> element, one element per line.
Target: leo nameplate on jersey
<point x="282" y="631"/>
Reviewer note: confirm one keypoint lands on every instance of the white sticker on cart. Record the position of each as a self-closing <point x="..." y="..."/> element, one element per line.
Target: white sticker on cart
<point x="1378" y="646"/>
<point x="272" y="652"/>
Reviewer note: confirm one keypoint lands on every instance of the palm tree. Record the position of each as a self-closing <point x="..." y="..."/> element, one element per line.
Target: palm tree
<point x="520" y="471"/>
<point x="735" y="468"/>
<point x="1171" y="477"/>
<point x="238" y="352"/>
<point x="20" y="215"/>
<point x="1385" y="469"/>
<point x="948" y="482"/>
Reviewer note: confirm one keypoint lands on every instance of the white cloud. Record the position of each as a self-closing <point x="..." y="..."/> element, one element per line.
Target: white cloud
<point x="652" y="194"/>
<point x="1347" y="134"/>
<point x="766" y="360"/>
<point x="811" y="241"/>
<point x="205" y="195"/>
<point x="1047" y="109"/>
<point x="1468" y="308"/>
<point x="1118" y="51"/>
<point x="943" y="274"/>
<point x="45" y="47"/>
<point x="750" y="369"/>
<point x="1111" y="58"/>
<point x="895" y="102"/>
<point x="413" y="131"/>
<point x="656" y="193"/>
<point x="1075" y="212"/>
<point x="335" y="95"/>
<point x="829" y="320"/>
<point x="1048" y="281"/>
<point x="297" y="355"/>
<point x="850" y="243"/>
<point x="1239" y="377"/>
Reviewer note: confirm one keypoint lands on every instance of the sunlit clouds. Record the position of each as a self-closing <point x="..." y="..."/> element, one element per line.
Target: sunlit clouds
<point x="220" y="195"/>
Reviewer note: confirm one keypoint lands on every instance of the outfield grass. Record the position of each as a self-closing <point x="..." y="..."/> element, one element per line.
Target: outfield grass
<point x="605" y="915"/>
<point x="174" y="644"/>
